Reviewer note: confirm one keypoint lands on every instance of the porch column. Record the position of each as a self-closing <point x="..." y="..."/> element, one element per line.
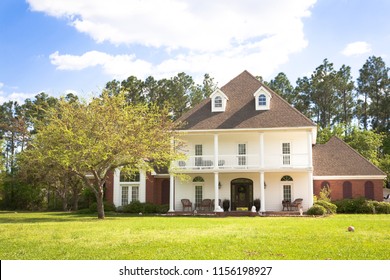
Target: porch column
<point x="216" y="151"/>
<point x="216" y="192"/>
<point x="171" y="193"/>
<point x="261" y="150"/>
<point x="309" y="148"/>
<point x="310" y="188"/>
<point x="262" y="198"/>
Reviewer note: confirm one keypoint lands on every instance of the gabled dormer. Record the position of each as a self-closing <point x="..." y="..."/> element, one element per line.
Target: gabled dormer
<point x="262" y="99"/>
<point x="218" y="101"/>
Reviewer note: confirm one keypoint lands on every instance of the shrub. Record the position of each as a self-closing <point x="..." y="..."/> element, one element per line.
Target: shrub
<point x="317" y="210"/>
<point x="329" y="207"/>
<point x="162" y="209"/>
<point x="133" y="207"/>
<point x="377" y="207"/>
<point x="351" y="206"/>
<point x="149" y="208"/>
<point x="108" y="207"/>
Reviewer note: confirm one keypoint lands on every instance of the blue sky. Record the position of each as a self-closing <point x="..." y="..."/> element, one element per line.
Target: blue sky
<point x="79" y="45"/>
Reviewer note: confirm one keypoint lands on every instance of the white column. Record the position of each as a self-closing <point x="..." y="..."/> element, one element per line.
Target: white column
<point x="215" y="151"/>
<point x="310" y="148"/>
<point x="171" y="193"/>
<point x="310" y="189"/>
<point x="261" y="150"/>
<point x="262" y="197"/>
<point x="216" y="192"/>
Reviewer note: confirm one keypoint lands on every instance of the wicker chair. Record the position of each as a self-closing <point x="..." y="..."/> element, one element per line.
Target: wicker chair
<point x="297" y="203"/>
<point x="186" y="204"/>
<point x="205" y="205"/>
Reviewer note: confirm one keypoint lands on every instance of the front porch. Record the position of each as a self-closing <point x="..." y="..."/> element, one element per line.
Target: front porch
<point x="240" y="191"/>
<point x="235" y="214"/>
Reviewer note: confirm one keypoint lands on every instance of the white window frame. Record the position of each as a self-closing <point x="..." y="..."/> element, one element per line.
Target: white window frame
<point x="242" y="155"/>
<point x="124" y="195"/>
<point x="135" y="193"/>
<point x="218" y="102"/>
<point x="198" y="152"/>
<point x="198" y="195"/>
<point x="262" y="91"/>
<point x="287" y="184"/>
<point x="218" y="106"/>
<point x="286" y="156"/>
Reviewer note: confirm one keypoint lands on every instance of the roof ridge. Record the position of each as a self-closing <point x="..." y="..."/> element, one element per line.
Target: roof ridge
<point x="354" y="151"/>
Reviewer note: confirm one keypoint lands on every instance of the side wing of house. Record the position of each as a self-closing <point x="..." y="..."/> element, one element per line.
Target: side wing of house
<point x="346" y="173"/>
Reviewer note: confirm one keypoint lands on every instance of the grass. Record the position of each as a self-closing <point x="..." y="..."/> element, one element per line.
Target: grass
<point x="66" y="236"/>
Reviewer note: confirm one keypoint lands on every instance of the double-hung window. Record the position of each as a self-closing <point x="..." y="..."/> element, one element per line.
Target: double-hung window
<point x="198" y="196"/>
<point x="125" y="195"/>
<point x="241" y="154"/>
<point x="286" y="153"/>
<point x="287" y="192"/>
<point x="198" y="155"/>
<point x="134" y="193"/>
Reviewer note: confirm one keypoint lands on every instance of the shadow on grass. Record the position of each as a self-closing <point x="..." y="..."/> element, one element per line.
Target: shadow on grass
<point x="11" y="217"/>
<point x="15" y="217"/>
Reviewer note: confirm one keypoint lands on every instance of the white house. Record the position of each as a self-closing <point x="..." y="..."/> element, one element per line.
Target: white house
<point x="244" y="143"/>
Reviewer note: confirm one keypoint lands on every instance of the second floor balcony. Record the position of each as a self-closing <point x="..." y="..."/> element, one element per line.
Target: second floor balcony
<point x="249" y="161"/>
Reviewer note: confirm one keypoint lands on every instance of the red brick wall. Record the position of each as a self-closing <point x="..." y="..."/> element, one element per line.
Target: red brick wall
<point x="358" y="188"/>
<point x="154" y="189"/>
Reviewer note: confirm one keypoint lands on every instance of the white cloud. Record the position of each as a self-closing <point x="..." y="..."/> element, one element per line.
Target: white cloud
<point x="356" y="48"/>
<point x="198" y="36"/>
<point x="20" y="97"/>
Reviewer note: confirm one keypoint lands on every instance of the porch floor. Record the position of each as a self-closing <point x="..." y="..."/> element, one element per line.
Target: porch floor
<point x="235" y="214"/>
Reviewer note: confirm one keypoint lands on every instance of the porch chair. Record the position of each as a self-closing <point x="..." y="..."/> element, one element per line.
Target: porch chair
<point x="297" y="203"/>
<point x="205" y="205"/>
<point x="286" y="205"/>
<point x="186" y="204"/>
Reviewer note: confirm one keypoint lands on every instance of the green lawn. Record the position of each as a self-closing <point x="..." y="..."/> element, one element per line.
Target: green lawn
<point x="64" y="236"/>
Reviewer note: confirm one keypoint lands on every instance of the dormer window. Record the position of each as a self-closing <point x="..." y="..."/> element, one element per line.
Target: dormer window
<point x="262" y="99"/>
<point x="218" y="101"/>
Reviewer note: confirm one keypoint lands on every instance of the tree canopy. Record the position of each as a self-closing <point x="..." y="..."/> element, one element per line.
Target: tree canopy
<point x="92" y="139"/>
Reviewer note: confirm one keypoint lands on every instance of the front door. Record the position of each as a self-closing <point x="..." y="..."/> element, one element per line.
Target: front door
<point x="241" y="194"/>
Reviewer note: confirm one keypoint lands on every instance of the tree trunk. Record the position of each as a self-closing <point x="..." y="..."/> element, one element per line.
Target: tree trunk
<point x="75" y="202"/>
<point x="100" y="204"/>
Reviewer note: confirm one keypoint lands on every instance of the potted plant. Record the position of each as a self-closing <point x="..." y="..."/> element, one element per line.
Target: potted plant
<point x="256" y="203"/>
<point x="226" y="205"/>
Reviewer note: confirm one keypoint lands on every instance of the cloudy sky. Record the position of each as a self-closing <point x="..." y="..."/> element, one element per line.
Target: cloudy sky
<point x="58" y="46"/>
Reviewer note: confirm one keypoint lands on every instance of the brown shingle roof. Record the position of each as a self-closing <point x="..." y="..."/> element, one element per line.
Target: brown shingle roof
<point x="337" y="158"/>
<point x="240" y="109"/>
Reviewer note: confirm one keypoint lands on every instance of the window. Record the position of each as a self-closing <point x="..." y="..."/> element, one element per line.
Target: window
<point x="262" y="100"/>
<point x="125" y="195"/>
<point x="135" y="193"/>
<point x="198" y="195"/>
<point x="369" y="190"/>
<point x="287" y="187"/>
<point x="218" y="102"/>
<point x="287" y="192"/>
<point x="286" y="153"/>
<point x="198" y="154"/>
<point x="198" y="179"/>
<point x="286" y="178"/>
<point x="347" y="189"/>
<point x="129" y="177"/>
<point x="241" y="154"/>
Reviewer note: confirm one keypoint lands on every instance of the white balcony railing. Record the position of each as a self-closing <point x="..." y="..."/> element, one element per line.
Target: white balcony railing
<point x="243" y="162"/>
